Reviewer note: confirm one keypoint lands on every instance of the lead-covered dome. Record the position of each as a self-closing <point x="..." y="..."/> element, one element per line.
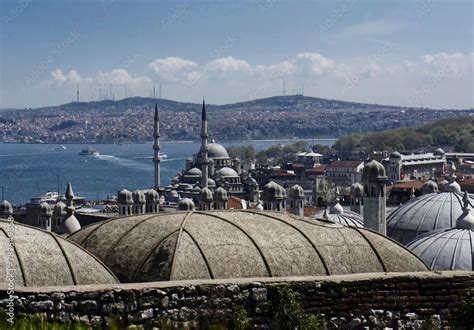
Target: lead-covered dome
<point x="373" y="170"/>
<point x="42" y="258"/>
<point x="238" y="244"/>
<point x="194" y="171"/>
<point x="227" y="172"/>
<point x="345" y="217"/>
<point x="296" y="192"/>
<point x="6" y="208"/>
<point x="273" y="191"/>
<point x="216" y="151"/>
<point x="423" y="214"/>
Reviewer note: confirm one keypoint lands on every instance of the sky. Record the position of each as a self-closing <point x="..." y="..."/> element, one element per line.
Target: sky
<point x="405" y="52"/>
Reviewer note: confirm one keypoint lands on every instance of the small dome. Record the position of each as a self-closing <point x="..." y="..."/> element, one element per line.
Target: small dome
<point x="259" y="207"/>
<point x="206" y="195"/>
<point x="138" y="197"/>
<point x="174" y="193"/>
<point x="186" y="204"/>
<point x="423" y="214"/>
<point x="45" y="209"/>
<point x="216" y="151"/>
<point x="347" y="218"/>
<point x="429" y="187"/>
<point x="336" y="209"/>
<point x="6" y="208"/>
<point x="211" y="182"/>
<point x="395" y="155"/>
<point x="152" y="196"/>
<point x="273" y="191"/>
<point x="42" y="258"/>
<point x="296" y="192"/>
<point x="438" y="152"/>
<point x="357" y="190"/>
<point x="466" y="220"/>
<point x="59" y="209"/>
<point x="238" y="244"/>
<point x="69" y="225"/>
<point x="125" y="197"/>
<point x="220" y="195"/>
<point x="452" y="186"/>
<point x="194" y="171"/>
<point x="228" y="172"/>
<point x="373" y="170"/>
<point x="445" y="249"/>
<point x="196" y="189"/>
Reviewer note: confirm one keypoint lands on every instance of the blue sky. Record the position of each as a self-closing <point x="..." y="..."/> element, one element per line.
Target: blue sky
<point x="408" y="53"/>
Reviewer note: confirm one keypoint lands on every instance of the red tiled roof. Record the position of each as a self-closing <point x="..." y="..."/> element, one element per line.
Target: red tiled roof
<point x="345" y="163"/>
<point x="416" y="184"/>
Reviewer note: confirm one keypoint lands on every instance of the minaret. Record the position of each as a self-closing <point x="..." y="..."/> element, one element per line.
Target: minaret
<point x="156" y="147"/>
<point x="374" y="180"/>
<point x="204" y="160"/>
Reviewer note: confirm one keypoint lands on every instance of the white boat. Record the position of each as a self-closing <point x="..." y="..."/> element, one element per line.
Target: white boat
<point x="89" y="152"/>
<point x="162" y="155"/>
<point x="60" y="148"/>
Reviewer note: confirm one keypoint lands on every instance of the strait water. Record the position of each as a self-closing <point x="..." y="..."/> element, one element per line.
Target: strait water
<point x="27" y="170"/>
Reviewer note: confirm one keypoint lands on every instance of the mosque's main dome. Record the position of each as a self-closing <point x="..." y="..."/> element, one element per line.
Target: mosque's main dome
<point x="238" y="244"/>
<point x="42" y="258"/>
<point x="216" y="151"/>
<point x="423" y="214"/>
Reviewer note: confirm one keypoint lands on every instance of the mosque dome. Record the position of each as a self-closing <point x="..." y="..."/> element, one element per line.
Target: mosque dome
<point x="357" y="190"/>
<point x="211" y="182"/>
<point x="395" y="155"/>
<point x="347" y="218"/>
<point x="220" y="195"/>
<point x="373" y="170"/>
<point x="196" y="189"/>
<point x="125" y="197"/>
<point x="186" y="204"/>
<point x="429" y="187"/>
<point x="194" y="171"/>
<point x="42" y="258"/>
<point x="273" y="191"/>
<point x="228" y="172"/>
<point x="174" y="193"/>
<point x="45" y="209"/>
<point x="206" y="195"/>
<point x="70" y="224"/>
<point x="452" y="186"/>
<point x="296" y="192"/>
<point x="423" y="214"/>
<point x="216" y="151"/>
<point x="6" y="208"/>
<point x="138" y="197"/>
<point x="449" y="249"/>
<point x="59" y="209"/>
<point x="238" y="244"/>
<point x="152" y="196"/>
<point x="438" y="152"/>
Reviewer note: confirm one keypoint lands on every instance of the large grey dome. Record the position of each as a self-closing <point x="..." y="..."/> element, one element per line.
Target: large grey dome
<point x="216" y="151"/>
<point x="42" y="258"/>
<point x="238" y="244"/>
<point x="228" y="172"/>
<point x="424" y="213"/>
<point x="446" y="249"/>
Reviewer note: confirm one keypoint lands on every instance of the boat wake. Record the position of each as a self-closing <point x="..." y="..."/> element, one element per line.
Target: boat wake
<point x="123" y="162"/>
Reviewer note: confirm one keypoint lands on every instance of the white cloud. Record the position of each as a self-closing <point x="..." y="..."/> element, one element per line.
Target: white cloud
<point x="174" y="68"/>
<point x="226" y="66"/>
<point x="370" y="28"/>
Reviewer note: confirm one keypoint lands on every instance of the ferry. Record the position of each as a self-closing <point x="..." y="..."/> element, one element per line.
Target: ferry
<point x="89" y="152"/>
<point x="162" y="155"/>
<point x="60" y="148"/>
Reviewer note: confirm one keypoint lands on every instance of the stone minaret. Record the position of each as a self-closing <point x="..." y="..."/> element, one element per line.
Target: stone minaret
<point x="374" y="180"/>
<point x="296" y="200"/>
<point x="204" y="147"/>
<point x="156" y="147"/>
<point x="357" y="192"/>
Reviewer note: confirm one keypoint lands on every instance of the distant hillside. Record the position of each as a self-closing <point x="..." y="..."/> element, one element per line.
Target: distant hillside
<point x="456" y="134"/>
<point x="130" y="120"/>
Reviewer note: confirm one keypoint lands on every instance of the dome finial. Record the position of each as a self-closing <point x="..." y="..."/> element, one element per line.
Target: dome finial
<point x="325" y="214"/>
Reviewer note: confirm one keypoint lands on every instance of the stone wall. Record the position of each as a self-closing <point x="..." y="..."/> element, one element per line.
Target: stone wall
<point x="376" y="300"/>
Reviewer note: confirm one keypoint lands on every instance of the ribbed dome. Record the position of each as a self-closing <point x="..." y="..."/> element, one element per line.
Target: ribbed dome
<point x="216" y="151"/>
<point x="347" y="218"/>
<point x="446" y="249"/>
<point x="152" y="196"/>
<point x="220" y="195"/>
<point x="125" y="197"/>
<point x="206" y="195"/>
<point x="6" y="208"/>
<point x="357" y="190"/>
<point x="273" y="191"/>
<point x="429" y="187"/>
<point x="186" y="204"/>
<point x="139" y="196"/>
<point x="296" y="192"/>
<point x="373" y="170"/>
<point x="238" y="244"/>
<point x="42" y="258"/>
<point x="424" y="213"/>
<point x="228" y="172"/>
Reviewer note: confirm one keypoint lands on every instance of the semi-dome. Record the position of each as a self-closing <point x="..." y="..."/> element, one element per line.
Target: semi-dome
<point x="6" y="208"/>
<point x="395" y="155"/>
<point x="373" y="170"/>
<point x="296" y="192"/>
<point x="139" y="196"/>
<point x="423" y="214"/>
<point x="186" y="204"/>
<point x="357" y="190"/>
<point x="194" y="171"/>
<point x="216" y="151"/>
<point x="238" y="244"/>
<point x="347" y="218"/>
<point x="152" y="196"/>
<point x="220" y="195"/>
<point x="228" y="172"/>
<point x="42" y="258"/>
<point x="125" y="197"/>
<point x="273" y="191"/>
